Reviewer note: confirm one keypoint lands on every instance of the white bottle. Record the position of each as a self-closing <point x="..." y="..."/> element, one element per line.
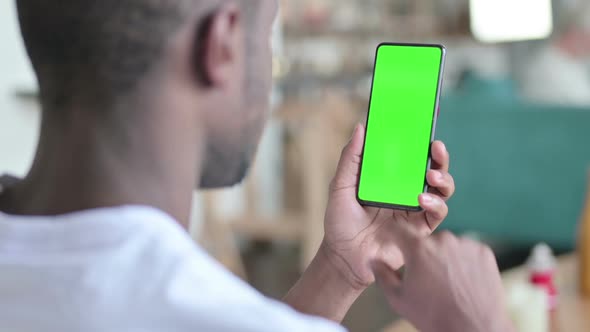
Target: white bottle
<point x="542" y="265"/>
<point x="527" y="306"/>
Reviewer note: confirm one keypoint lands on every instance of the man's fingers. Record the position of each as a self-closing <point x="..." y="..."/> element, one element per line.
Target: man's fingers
<point x="390" y="281"/>
<point x="441" y="183"/>
<point x="440" y="156"/>
<point x="386" y="277"/>
<point x="350" y="161"/>
<point x="435" y="209"/>
<point x="404" y="235"/>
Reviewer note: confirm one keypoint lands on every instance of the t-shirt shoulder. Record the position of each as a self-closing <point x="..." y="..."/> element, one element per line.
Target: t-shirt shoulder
<point x="136" y="260"/>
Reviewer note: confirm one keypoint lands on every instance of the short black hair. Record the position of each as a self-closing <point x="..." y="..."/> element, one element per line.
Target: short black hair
<point x="97" y="50"/>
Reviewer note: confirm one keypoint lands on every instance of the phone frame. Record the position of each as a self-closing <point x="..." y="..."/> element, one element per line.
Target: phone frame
<point x="436" y="113"/>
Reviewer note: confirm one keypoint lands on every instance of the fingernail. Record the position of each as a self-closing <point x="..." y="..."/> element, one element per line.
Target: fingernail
<point x="438" y="176"/>
<point x="356" y="129"/>
<point x="427" y="199"/>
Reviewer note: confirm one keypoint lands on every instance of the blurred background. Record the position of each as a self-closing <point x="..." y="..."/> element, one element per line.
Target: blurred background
<point x="515" y="116"/>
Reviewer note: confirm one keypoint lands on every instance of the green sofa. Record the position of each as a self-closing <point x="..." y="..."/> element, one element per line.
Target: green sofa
<point x="520" y="169"/>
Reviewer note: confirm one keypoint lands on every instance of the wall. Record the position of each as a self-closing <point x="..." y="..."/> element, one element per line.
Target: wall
<point x="18" y="119"/>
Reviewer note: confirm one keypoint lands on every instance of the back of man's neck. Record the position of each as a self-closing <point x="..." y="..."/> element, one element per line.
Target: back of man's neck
<point x="80" y="171"/>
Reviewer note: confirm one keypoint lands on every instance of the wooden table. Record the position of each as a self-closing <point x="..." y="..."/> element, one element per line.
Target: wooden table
<point x="573" y="313"/>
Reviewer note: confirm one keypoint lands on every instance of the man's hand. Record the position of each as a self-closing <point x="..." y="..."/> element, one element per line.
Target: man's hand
<point x="358" y="237"/>
<point x="448" y="284"/>
<point x="354" y="236"/>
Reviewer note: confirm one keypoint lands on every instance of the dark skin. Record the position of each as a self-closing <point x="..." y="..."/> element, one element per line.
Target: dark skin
<point x="157" y="157"/>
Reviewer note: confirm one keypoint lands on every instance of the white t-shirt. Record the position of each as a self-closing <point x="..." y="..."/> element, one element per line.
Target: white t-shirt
<point x="125" y="269"/>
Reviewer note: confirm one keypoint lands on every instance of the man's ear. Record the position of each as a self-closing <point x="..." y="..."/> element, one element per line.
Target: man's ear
<point x="218" y="48"/>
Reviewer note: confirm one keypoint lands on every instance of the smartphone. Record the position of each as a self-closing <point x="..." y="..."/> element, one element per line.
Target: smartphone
<point x="401" y="123"/>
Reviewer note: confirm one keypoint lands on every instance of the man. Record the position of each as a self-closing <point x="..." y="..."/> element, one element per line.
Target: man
<point x="559" y="72"/>
<point x="144" y="99"/>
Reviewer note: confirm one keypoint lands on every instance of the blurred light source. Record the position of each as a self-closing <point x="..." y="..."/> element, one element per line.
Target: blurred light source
<point x="495" y="21"/>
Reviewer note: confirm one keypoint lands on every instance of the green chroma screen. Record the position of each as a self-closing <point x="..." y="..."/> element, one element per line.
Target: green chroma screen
<point x="399" y="128"/>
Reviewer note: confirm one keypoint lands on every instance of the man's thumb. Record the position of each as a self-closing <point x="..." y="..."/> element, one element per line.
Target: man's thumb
<point x="350" y="161"/>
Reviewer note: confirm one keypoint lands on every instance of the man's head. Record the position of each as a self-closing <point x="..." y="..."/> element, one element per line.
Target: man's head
<point x="572" y="28"/>
<point x="115" y="63"/>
